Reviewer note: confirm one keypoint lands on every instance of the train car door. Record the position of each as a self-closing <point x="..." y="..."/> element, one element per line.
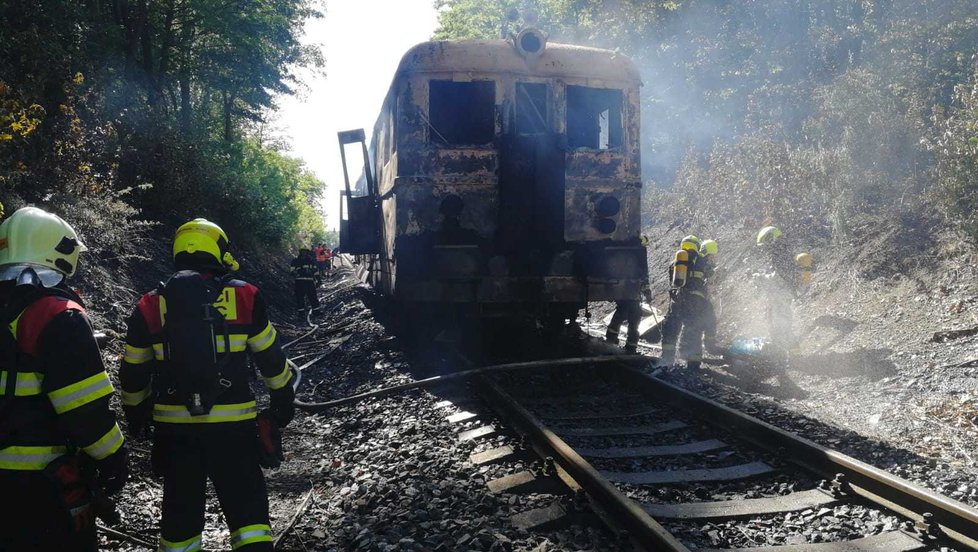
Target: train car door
<point x="531" y="184"/>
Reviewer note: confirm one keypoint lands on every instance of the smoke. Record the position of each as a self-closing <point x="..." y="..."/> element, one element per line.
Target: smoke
<point x="716" y="71"/>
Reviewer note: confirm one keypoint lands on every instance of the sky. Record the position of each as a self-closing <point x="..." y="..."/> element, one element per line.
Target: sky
<point x="363" y="41"/>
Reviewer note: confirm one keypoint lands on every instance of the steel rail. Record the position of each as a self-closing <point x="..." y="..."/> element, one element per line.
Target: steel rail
<point x="958" y="521"/>
<point x="644" y="530"/>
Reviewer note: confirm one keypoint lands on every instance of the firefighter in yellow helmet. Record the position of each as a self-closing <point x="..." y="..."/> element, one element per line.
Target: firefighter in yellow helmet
<point x="630" y="312"/>
<point x="783" y="278"/>
<point x="61" y="450"/>
<point x="688" y="299"/>
<point x="185" y="370"/>
<point x="700" y="324"/>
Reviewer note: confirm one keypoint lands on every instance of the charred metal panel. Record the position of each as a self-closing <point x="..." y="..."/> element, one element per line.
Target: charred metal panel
<point x="419" y="207"/>
<point x="604" y="164"/>
<point x="499" y="56"/>
<point x="457" y="262"/>
<point x="582" y="199"/>
<point x="475" y="164"/>
<point x="362" y="236"/>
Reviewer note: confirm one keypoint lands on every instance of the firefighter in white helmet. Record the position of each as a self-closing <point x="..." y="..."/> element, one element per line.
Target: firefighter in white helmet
<point x="61" y="450"/>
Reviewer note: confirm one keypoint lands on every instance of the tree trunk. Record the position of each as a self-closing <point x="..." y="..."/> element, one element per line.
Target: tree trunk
<point x="163" y="73"/>
<point x="145" y="29"/>
<point x="185" y="107"/>
<point x="228" y="104"/>
<point x="185" y="48"/>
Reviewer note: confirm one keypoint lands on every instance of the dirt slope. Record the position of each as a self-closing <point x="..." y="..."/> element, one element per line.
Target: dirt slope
<point x="870" y="364"/>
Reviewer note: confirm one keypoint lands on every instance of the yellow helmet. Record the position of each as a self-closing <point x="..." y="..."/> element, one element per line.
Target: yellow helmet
<point x="690" y="243"/>
<point x="33" y="238"/>
<point x="644" y="240"/>
<point x="201" y="243"/>
<point x="803" y="260"/>
<point x="768" y="235"/>
<point x="709" y="247"/>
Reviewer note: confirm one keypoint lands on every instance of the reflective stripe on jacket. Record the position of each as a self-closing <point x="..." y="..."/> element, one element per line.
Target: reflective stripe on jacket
<point x="58" y="394"/>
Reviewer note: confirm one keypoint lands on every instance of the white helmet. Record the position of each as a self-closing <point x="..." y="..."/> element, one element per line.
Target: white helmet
<point x="33" y="238"/>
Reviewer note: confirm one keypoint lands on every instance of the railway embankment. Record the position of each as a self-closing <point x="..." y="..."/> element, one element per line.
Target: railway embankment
<point x="888" y="369"/>
<point x="387" y="473"/>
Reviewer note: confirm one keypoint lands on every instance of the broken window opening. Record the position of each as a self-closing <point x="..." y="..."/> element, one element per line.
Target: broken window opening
<point x="462" y="113"/>
<point x="594" y="118"/>
<point x="531" y="108"/>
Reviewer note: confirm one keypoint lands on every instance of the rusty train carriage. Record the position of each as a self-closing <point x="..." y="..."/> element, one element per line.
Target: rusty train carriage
<point x="505" y="178"/>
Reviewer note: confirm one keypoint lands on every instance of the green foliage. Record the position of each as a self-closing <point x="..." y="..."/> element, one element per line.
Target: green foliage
<point x="155" y="96"/>
<point x="956" y="148"/>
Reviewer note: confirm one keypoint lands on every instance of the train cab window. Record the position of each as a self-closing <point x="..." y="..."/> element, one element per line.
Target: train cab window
<point x="531" y="108"/>
<point x="462" y="113"/>
<point x="594" y="117"/>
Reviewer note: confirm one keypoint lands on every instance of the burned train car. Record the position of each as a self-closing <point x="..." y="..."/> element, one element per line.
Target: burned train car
<point x="503" y="175"/>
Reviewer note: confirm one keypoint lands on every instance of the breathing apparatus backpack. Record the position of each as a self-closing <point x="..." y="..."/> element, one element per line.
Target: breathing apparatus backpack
<point x="681" y="264"/>
<point x="192" y="329"/>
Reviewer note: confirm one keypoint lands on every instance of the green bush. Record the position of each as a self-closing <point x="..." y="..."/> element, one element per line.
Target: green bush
<point x="956" y="146"/>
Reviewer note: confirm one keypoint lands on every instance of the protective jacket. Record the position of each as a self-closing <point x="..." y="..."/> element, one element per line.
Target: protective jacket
<point x="55" y="423"/>
<point x="54" y="392"/>
<point x="304" y="268"/>
<point x="690" y="314"/>
<point x="146" y="382"/>
<point x="701" y="270"/>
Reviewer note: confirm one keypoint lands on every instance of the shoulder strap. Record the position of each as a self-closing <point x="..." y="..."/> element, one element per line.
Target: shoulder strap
<point x="38" y="315"/>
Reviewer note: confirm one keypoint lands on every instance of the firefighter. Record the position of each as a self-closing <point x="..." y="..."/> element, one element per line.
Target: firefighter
<point x="684" y="296"/>
<point x="322" y="258"/>
<point x="699" y="324"/>
<point x="61" y="451"/>
<point x="305" y="271"/>
<point x="708" y="250"/>
<point x="630" y="311"/>
<point x="780" y="284"/>
<point x="185" y="370"/>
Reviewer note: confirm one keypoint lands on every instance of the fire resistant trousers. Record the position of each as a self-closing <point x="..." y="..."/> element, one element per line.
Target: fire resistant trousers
<point x="33" y="518"/>
<point x="630" y="312"/>
<point x="692" y="316"/>
<point x="228" y="456"/>
<point x="305" y="290"/>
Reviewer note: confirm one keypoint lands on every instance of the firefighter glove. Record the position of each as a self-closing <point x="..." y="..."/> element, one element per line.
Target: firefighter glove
<point x="282" y="407"/>
<point x="139" y="417"/>
<point x="647" y="295"/>
<point x="113" y="471"/>
<point x="269" y="441"/>
<point x="73" y="491"/>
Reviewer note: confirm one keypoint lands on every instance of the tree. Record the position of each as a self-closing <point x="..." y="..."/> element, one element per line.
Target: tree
<point x="101" y="96"/>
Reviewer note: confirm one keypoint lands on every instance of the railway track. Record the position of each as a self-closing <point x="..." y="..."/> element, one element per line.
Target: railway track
<point x="674" y="471"/>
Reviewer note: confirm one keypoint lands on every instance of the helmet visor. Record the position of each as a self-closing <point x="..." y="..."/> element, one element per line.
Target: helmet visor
<point x="48" y="276"/>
